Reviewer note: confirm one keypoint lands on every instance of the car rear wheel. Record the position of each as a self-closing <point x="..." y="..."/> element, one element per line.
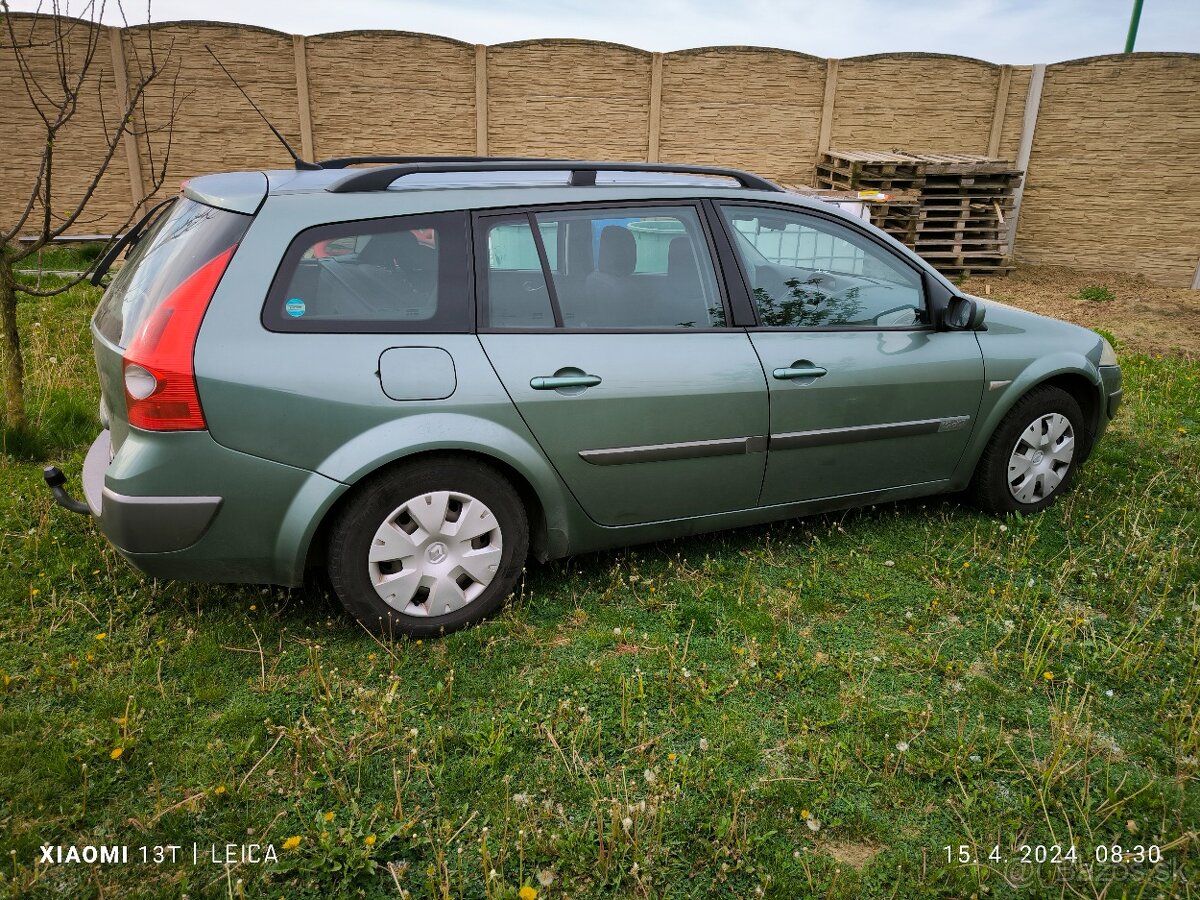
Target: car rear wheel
<point x="428" y="548"/>
<point x="1033" y="455"/>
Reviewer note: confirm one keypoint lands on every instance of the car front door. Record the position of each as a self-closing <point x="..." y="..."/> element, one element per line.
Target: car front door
<point x="609" y="328"/>
<point x="865" y="394"/>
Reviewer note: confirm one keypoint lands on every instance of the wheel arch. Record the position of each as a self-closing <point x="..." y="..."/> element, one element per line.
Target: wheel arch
<point x="1068" y="372"/>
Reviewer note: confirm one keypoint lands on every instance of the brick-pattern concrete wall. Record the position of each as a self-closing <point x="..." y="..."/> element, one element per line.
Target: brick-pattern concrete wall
<point x="917" y="102"/>
<point x="568" y="98"/>
<point x="1113" y="182"/>
<point x="743" y="106"/>
<point x="381" y="92"/>
<point x="1114" y="176"/>
<point x="80" y="143"/>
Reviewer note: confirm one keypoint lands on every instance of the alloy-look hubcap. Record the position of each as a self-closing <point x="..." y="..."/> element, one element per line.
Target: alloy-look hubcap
<point x="1041" y="458"/>
<point x="435" y="553"/>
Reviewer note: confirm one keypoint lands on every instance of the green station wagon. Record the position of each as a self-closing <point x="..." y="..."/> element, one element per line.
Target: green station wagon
<point x="420" y="373"/>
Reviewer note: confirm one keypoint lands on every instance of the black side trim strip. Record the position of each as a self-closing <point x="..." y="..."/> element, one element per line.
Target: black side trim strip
<point x="619" y="456"/>
<point x="825" y="437"/>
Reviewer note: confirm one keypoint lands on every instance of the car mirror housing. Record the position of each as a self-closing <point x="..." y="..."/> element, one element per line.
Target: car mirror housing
<point x="963" y="314"/>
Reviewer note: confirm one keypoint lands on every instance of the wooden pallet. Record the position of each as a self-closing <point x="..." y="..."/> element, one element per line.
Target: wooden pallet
<point x="959" y="220"/>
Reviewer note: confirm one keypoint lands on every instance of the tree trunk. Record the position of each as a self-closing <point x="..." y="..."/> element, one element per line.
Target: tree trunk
<point x="10" y="347"/>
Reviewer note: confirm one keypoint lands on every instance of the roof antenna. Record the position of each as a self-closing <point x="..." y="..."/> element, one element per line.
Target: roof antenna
<point x="300" y="163"/>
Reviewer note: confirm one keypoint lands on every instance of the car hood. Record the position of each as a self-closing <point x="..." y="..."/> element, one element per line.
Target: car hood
<point x="1002" y="319"/>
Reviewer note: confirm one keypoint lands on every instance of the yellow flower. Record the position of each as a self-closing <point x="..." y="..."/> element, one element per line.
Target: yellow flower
<point x="805" y="814"/>
<point x="292" y="843"/>
<point x="102" y="635"/>
<point x="369" y="840"/>
<point x="671" y="757"/>
<point x="219" y="789"/>
<point x="527" y="893"/>
<point x="253" y="607"/>
<point x="116" y="752"/>
<point x="34" y="592"/>
<point x="1049" y="676"/>
<point x="328" y="817"/>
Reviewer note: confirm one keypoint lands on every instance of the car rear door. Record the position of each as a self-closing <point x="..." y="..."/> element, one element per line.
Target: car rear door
<point x="865" y="394"/>
<point x="609" y="328"/>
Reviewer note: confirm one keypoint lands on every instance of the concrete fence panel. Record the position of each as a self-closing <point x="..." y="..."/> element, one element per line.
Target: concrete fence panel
<point x="568" y="98"/>
<point x="743" y="106"/>
<point x="388" y="92"/>
<point x="1114" y="175"/>
<point x="80" y="145"/>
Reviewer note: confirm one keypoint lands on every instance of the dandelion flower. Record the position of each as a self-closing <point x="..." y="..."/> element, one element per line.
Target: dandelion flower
<point x="101" y="636"/>
<point x="292" y="843"/>
<point x="34" y="592"/>
<point x="627" y="823"/>
<point x="527" y="893"/>
<point x="902" y="746"/>
<point x="116" y="752"/>
<point x="805" y="814"/>
<point x="369" y="840"/>
<point x="703" y="745"/>
<point x="649" y="776"/>
<point x="545" y="878"/>
<point x="219" y="789"/>
<point x="1048" y="675"/>
<point x="328" y="817"/>
<point x="670" y="756"/>
<point x="814" y="825"/>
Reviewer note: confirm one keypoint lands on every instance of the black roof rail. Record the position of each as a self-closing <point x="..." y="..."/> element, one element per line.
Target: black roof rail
<point x="583" y="174"/>
<point x="342" y="162"/>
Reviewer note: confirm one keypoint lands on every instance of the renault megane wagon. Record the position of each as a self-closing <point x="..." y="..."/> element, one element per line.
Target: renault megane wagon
<point x="419" y="374"/>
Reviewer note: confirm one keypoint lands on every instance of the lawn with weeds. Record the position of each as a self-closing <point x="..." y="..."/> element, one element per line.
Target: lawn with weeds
<point x="903" y="701"/>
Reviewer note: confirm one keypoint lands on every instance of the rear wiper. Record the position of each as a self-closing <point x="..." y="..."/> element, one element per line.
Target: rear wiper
<point x="128" y="240"/>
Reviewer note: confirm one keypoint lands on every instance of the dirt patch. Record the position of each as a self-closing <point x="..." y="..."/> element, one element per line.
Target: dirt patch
<point x="852" y="853"/>
<point x="1144" y="316"/>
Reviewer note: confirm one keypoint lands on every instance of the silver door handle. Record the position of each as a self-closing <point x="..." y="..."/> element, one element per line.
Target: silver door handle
<point x="799" y="372"/>
<point x="557" y="382"/>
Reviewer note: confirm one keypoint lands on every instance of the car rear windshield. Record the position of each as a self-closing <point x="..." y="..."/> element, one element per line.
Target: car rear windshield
<point x="185" y="236"/>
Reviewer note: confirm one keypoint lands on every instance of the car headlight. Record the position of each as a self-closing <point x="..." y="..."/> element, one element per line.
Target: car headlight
<point x="1108" y="356"/>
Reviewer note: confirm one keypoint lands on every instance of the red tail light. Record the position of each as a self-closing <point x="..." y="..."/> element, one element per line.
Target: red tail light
<point x="158" y="361"/>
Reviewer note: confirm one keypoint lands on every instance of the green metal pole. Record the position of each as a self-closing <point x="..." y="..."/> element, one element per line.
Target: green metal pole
<point x="1133" y="25"/>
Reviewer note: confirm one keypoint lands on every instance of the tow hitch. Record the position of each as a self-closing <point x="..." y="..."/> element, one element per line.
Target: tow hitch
<point x="55" y="479"/>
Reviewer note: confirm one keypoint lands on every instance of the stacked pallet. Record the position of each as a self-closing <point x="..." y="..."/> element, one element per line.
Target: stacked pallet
<point x="951" y="208"/>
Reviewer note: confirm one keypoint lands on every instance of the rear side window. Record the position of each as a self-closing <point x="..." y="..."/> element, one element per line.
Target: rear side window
<point x="185" y="236"/>
<point x="404" y="274"/>
<point x="644" y="267"/>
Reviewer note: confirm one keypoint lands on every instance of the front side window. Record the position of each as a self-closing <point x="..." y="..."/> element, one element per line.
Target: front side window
<point x="807" y="272"/>
<point x="612" y="268"/>
<point x="400" y="274"/>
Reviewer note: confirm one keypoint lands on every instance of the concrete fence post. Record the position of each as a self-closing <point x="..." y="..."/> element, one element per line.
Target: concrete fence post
<point x="656" y="70"/>
<point x="307" y="148"/>
<point x="133" y="159"/>
<point x="481" y="100"/>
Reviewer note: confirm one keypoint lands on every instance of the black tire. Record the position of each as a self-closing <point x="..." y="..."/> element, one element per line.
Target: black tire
<point x="990" y="487"/>
<point x="371" y="505"/>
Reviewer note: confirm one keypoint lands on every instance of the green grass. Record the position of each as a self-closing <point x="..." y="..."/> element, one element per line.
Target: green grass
<point x="1096" y="293"/>
<point x="813" y="708"/>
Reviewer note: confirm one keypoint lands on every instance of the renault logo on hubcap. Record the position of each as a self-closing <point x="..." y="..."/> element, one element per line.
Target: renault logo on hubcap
<point x="437" y="553"/>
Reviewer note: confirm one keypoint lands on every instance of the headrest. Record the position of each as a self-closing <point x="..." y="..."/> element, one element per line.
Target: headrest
<point x="618" y="251"/>
<point x="393" y="248"/>
<point x="680" y="258"/>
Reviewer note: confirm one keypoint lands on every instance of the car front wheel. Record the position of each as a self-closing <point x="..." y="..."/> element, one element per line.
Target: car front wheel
<point x="1033" y="455"/>
<point x="428" y="548"/>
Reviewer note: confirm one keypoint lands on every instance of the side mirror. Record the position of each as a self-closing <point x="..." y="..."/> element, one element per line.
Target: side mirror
<point x="963" y="314"/>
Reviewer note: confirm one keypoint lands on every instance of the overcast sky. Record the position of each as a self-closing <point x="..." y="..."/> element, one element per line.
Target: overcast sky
<point x="1004" y="31"/>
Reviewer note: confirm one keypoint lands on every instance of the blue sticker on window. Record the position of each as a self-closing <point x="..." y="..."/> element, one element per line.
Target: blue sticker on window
<point x="294" y="307"/>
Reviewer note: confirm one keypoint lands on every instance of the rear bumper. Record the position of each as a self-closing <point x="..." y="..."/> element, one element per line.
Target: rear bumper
<point x="240" y="518"/>
<point x="142" y="524"/>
